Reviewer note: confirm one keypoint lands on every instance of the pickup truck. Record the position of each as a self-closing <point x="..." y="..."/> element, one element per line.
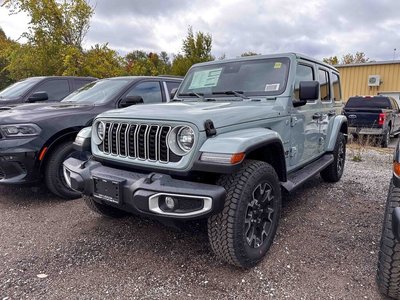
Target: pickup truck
<point x="237" y="133"/>
<point x="377" y="116"/>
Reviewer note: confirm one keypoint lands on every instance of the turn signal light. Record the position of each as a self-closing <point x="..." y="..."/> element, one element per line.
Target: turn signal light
<point x="396" y="168"/>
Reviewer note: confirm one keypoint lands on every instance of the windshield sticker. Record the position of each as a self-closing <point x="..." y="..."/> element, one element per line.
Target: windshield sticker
<point x="272" y="87"/>
<point x="202" y="79"/>
<point x="277" y="65"/>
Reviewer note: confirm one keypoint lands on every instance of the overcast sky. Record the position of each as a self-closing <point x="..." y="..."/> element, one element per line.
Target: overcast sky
<point x="319" y="28"/>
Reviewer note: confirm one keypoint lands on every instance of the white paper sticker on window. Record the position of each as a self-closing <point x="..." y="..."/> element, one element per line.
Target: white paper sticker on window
<point x="272" y="87"/>
<point x="203" y="79"/>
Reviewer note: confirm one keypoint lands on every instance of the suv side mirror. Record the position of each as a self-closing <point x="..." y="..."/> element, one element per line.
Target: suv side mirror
<point x="308" y="90"/>
<point x="173" y="93"/>
<point x="38" y="96"/>
<point x="130" y="100"/>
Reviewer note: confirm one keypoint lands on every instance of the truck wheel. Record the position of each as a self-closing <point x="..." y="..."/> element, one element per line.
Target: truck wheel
<point x="385" y="139"/>
<point x="244" y="231"/>
<point x="334" y="171"/>
<point x="388" y="273"/>
<point x="104" y="209"/>
<point x="54" y="177"/>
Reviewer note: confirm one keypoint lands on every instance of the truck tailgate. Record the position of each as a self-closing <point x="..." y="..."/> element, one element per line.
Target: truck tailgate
<point x="363" y="117"/>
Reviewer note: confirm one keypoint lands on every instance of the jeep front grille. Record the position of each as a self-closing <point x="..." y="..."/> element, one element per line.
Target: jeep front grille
<point x="141" y="141"/>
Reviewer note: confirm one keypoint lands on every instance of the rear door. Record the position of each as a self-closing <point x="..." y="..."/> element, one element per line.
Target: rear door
<point x="395" y="115"/>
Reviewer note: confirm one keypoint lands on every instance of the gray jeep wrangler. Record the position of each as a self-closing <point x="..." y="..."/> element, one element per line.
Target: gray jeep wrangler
<point x="238" y="134"/>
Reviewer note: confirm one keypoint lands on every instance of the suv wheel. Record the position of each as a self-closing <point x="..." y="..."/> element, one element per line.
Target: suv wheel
<point x="334" y="171"/>
<point x="389" y="254"/>
<point x="104" y="209"/>
<point x="54" y="177"/>
<point x="244" y="231"/>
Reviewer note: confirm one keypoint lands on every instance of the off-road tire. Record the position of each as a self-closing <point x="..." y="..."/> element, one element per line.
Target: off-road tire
<point x="53" y="173"/>
<point x="334" y="171"/>
<point x="104" y="209"/>
<point x="388" y="273"/>
<point x="385" y="139"/>
<point x="226" y="230"/>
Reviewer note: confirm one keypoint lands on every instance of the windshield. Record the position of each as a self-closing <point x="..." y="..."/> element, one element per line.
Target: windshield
<point x="97" y="92"/>
<point x="18" y="89"/>
<point x="261" y="77"/>
<point x="368" y="102"/>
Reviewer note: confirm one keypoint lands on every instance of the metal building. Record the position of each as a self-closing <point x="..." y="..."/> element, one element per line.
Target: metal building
<point x="372" y="78"/>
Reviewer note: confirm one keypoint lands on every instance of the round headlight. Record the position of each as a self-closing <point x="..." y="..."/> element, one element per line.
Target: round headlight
<point x="185" y="138"/>
<point x="100" y="130"/>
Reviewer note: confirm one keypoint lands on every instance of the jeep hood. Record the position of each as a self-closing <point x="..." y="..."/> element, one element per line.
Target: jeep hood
<point x="221" y="113"/>
<point x="27" y="113"/>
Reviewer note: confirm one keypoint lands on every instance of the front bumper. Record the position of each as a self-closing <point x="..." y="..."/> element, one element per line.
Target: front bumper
<point x="365" y="131"/>
<point x="144" y="193"/>
<point x="18" y="168"/>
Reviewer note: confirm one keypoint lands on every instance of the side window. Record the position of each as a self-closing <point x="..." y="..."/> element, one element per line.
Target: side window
<point x="337" y="91"/>
<point x="56" y="89"/>
<point x="394" y="104"/>
<point x="150" y="91"/>
<point x="78" y="83"/>
<point x="303" y="73"/>
<point x="323" y="78"/>
<point x="172" y="85"/>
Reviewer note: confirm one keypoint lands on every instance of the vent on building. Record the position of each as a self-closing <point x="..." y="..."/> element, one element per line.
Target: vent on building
<point x="374" y="80"/>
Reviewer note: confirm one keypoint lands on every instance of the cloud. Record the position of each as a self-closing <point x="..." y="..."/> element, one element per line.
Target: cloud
<point x="318" y="28"/>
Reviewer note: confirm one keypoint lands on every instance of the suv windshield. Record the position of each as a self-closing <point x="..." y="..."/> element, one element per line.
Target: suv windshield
<point x="18" y="89"/>
<point x="97" y="92"/>
<point x="368" y="102"/>
<point x="257" y="77"/>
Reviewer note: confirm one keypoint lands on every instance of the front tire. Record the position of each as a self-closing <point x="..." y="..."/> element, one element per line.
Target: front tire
<point x="244" y="231"/>
<point x="104" y="209"/>
<point x="54" y="177"/>
<point x="388" y="273"/>
<point x="334" y="171"/>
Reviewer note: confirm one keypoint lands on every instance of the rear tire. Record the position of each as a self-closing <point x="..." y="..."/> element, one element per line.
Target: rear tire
<point x="388" y="273"/>
<point x="334" y="171"/>
<point x="54" y="177"/>
<point x="104" y="209"/>
<point x="385" y="139"/>
<point x="244" y="231"/>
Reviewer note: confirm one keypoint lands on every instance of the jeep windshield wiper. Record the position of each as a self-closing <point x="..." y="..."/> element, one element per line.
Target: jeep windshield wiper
<point x="200" y="96"/>
<point x="236" y="93"/>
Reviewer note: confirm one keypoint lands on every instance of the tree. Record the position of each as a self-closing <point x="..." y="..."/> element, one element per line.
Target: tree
<point x="101" y="61"/>
<point x="6" y="45"/>
<point x="248" y="53"/>
<point x="333" y="60"/>
<point x="196" y="48"/>
<point x="142" y="63"/>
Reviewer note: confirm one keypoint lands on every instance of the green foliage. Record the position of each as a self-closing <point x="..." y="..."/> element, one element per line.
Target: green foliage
<point x="5" y="48"/>
<point x="102" y="62"/>
<point x="151" y="64"/>
<point x="196" y="48"/>
<point x="346" y="59"/>
<point x="249" y="53"/>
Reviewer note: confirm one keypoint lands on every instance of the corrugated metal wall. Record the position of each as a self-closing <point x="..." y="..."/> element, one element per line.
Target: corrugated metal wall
<point x="354" y="79"/>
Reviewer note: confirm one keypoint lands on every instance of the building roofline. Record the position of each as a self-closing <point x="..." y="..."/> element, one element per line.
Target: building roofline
<point x="371" y="63"/>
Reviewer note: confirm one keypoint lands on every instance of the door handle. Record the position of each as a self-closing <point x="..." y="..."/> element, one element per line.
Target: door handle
<point x="317" y="116"/>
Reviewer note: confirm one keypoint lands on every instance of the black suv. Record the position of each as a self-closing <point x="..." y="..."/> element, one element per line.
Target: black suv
<point x="48" y="88"/>
<point x="36" y="138"/>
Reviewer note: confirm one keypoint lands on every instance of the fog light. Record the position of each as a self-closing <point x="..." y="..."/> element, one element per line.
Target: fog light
<point x="170" y="202"/>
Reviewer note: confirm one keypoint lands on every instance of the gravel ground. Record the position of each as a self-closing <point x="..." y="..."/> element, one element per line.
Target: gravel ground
<point x="326" y="247"/>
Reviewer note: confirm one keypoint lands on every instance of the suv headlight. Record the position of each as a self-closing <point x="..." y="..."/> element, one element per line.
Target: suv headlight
<point x="20" y="130"/>
<point x="100" y="130"/>
<point x="181" y="140"/>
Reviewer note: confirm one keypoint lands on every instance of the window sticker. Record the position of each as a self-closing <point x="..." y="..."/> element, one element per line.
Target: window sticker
<point x="278" y="65"/>
<point x="272" y="87"/>
<point x="202" y="79"/>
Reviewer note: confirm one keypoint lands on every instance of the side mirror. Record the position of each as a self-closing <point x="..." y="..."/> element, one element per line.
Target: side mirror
<point x="130" y="100"/>
<point x="308" y="90"/>
<point x="173" y="93"/>
<point x="38" y="96"/>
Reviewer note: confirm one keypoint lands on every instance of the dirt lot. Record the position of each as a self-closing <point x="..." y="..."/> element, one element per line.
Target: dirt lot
<point x="326" y="247"/>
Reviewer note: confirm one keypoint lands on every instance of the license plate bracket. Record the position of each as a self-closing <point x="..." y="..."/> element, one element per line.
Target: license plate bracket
<point x="107" y="189"/>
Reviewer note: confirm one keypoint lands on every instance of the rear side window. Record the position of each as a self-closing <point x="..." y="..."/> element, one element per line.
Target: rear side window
<point x="150" y="92"/>
<point x="56" y="89"/>
<point x="303" y="73"/>
<point x="323" y="78"/>
<point x="78" y="83"/>
<point x="172" y="85"/>
<point x="368" y="102"/>
<point x="337" y="91"/>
